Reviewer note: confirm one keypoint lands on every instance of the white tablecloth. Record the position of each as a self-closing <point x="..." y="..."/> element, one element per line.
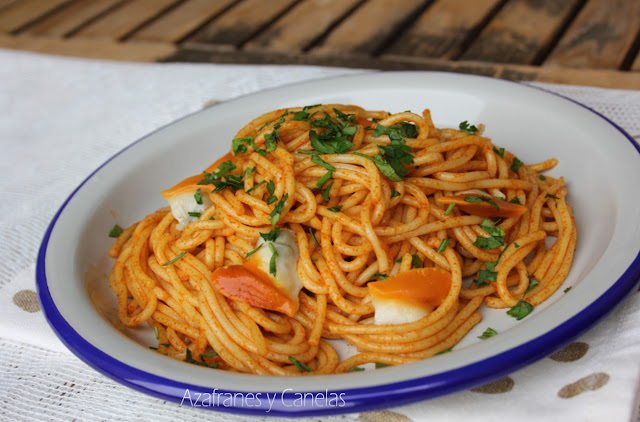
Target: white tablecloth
<point x="60" y="118"/>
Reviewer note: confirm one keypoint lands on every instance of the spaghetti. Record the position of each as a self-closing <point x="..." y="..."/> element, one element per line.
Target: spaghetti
<point x="335" y="222"/>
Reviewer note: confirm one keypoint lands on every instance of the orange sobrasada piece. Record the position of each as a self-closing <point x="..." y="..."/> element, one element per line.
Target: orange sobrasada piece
<point x="484" y="208"/>
<point x="191" y="183"/>
<point x="421" y="286"/>
<point x="246" y="283"/>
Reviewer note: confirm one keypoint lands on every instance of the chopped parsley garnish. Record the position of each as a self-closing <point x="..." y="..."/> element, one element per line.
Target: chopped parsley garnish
<point x="395" y="193"/>
<point x="520" y="310"/>
<point x="271" y="188"/>
<point x="271" y="236"/>
<point x="356" y="369"/>
<point x="155" y="331"/>
<point x="301" y="366"/>
<point x="489" y="332"/>
<point x="194" y="214"/>
<point x="379" y="276"/>
<point x="542" y="177"/>
<point x="319" y="161"/>
<point x="467" y="128"/>
<point x="303" y="115"/>
<point x="515" y="245"/>
<point x="445" y="351"/>
<point x="325" y="192"/>
<point x="272" y="261"/>
<point x="116" y="231"/>
<point x="495" y="239"/>
<point x="313" y="236"/>
<point x="533" y="283"/>
<point x="487" y="274"/>
<point x="335" y="209"/>
<point x="478" y="199"/>
<point x="324" y="179"/>
<point x="336" y="138"/>
<point x="277" y="210"/>
<point x="254" y="251"/>
<point x="238" y="144"/>
<point x="450" y="208"/>
<point x="551" y="196"/>
<point x="443" y="245"/>
<point x="515" y="200"/>
<point x="416" y="262"/>
<point x="500" y="151"/>
<point x="209" y="355"/>
<point x="515" y="164"/>
<point x="381" y="365"/>
<point x="221" y="179"/>
<point x="198" y="196"/>
<point x="567" y="289"/>
<point x="393" y="157"/>
<point x="189" y="359"/>
<point x="256" y="186"/>
<point x="180" y="255"/>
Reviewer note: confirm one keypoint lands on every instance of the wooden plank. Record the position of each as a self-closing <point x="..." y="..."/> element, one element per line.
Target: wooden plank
<point x="443" y="28"/>
<point x="302" y="25"/>
<point x="239" y="23"/>
<point x="70" y="17"/>
<point x="124" y="19"/>
<point x="356" y="34"/>
<point x="588" y="77"/>
<point x="181" y="21"/>
<point x="5" y="3"/>
<point x="19" y="14"/>
<point x="87" y="48"/>
<point x="520" y="31"/>
<point x="636" y="64"/>
<point x="600" y="36"/>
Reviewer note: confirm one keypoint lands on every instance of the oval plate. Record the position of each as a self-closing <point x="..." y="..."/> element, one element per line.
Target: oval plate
<point x="599" y="161"/>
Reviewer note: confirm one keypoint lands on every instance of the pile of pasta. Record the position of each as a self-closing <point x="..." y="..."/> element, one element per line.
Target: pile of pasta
<point x="368" y="195"/>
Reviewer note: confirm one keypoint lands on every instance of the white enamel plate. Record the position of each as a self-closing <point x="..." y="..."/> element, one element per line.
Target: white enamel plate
<point x="599" y="161"/>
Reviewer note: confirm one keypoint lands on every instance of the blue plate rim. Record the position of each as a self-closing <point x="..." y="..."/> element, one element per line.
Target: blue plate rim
<point x="387" y="395"/>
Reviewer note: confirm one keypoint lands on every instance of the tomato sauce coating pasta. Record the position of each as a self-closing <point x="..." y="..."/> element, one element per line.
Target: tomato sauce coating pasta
<point x="335" y="222"/>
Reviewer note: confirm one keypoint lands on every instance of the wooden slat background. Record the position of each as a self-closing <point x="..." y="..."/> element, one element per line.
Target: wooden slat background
<point x="589" y="42"/>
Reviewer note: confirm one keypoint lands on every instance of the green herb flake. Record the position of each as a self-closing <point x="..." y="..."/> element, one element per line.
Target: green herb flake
<point x="445" y="351"/>
<point x="379" y="276"/>
<point x="443" y="245"/>
<point x="319" y="161"/>
<point x="515" y="164"/>
<point x="254" y="251"/>
<point x="313" y="236"/>
<point x="272" y="261"/>
<point x="277" y="210"/>
<point x="533" y="283"/>
<point x="189" y="359"/>
<point x="542" y="177"/>
<point x="495" y="239"/>
<point x="335" y="209"/>
<point x="183" y="253"/>
<point x="324" y="179"/>
<point x="450" y="208"/>
<point x="256" y="186"/>
<point x="155" y="331"/>
<point x="381" y="365"/>
<point x="194" y="214"/>
<point x="489" y="332"/>
<point x="500" y="151"/>
<point x="551" y="196"/>
<point x="116" y="231"/>
<point x="198" y="196"/>
<point x="520" y="310"/>
<point x="300" y="365"/>
<point x="567" y="289"/>
<point x="467" y="128"/>
<point x="515" y="200"/>
<point x="478" y="199"/>
<point x="271" y="236"/>
<point x="356" y="369"/>
<point x="326" y="191"/>
<point x="416" y="262"/>
<point x="395" y="193"/>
